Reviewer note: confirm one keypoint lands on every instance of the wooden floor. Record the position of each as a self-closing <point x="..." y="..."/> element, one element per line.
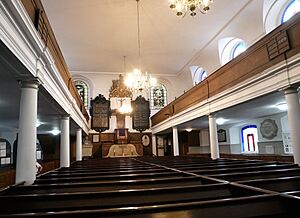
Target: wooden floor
<point x="180" y="187"/>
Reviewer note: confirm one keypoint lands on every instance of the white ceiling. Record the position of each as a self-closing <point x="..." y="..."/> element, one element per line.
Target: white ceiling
<point x="94" y="35"/>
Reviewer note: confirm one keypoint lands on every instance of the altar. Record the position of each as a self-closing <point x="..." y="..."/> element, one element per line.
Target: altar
<point x="122" y="150"/>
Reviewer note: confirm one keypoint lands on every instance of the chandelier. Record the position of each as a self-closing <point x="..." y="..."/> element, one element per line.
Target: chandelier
<point x="190" y="6"/>
<point x="137" y="81"/>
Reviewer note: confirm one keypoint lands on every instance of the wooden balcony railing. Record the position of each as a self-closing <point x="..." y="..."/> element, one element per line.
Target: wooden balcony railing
<point x="280" y="44"/>
<point x="36" y="12"/>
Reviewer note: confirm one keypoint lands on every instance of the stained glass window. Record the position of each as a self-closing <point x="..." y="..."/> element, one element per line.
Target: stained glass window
<point x="82" y="89"/>
<point x="292" y="9"/>
<point x="158" y="97"/>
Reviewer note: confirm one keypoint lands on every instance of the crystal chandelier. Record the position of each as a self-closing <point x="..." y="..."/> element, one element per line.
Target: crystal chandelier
<point x="190" y="6"/>
<point x="138" y="81"/>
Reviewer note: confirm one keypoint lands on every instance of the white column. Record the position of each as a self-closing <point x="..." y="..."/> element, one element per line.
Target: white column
<point x="175" y="142"/>
<point x="79" y="145"/>
<point x="65" y="142"/>
<point x="154" y="151"/>
<point x="292" y="100"/>
<point x="213" y="136"/>
<point x="26" y="148"/>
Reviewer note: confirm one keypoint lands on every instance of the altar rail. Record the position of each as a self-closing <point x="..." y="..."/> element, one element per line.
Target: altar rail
<point x="37" y="14"/>
<point x="277" y="46"/>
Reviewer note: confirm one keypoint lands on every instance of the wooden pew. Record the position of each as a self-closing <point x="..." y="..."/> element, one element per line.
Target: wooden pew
<point x="148" y="187"/>
<point x="89" y="186"/>
<point x="244" y="176"/>
<point x="34" y="203"/>
<point x="282" y="184"/>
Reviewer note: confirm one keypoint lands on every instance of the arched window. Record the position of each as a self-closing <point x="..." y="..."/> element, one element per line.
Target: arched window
<point x="238" y="49"/>
<point x="230" y="48"/>
<point x="278" y="12"/>
<point x="198" y="74"/>
<point x="292" y="9"/>
<point x="249" y="137"/>
<point x="83" y="91"/>
<point x="158" y="98"/>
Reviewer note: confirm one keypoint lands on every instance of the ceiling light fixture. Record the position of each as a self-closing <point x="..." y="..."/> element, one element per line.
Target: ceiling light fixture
<point x="184" y="6"/>
<point x="220" y="121"/>
<point x="55" y="132"/>
<point x="188" y="129"/>
<point x="138" y="81"/>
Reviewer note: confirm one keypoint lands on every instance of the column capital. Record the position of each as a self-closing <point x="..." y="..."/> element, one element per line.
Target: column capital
<point x="65" y="117"/>
<point x="290" y="90"/>
<point x="212" y="115"/>
<point x="29" y="82"/>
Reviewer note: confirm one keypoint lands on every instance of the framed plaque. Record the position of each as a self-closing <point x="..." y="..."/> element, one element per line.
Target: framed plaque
<point x="100" y="112"/>
<point x="140" y="114"/>
<point x="221" y="135"/>
<point x="268" y="129"/>
<point x="96" y="138"/>
<point x="145" y="140"/>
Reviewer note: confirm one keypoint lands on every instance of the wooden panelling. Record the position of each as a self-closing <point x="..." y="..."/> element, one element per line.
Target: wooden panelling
<point x="7" y="176"/>
<point x="281" y="43"/>
<point x="191" y="97"/>
<point x="163" y="114"/>
<point x="237" y="71"/>
<point x="107" y="137"/>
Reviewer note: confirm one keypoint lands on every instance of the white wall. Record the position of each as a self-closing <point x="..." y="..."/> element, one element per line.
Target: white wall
<point x="102" y="81"/>
<point x="266" y="146"/>
<point x="9" y="136"/>
<point x="233" y="137"/>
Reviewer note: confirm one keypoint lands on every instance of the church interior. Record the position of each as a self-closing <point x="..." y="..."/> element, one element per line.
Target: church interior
<point x="149" y="108"/>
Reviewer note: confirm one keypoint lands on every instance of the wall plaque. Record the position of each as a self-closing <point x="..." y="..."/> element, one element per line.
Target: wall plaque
<point x="221" y="135"/>
<point x="100" y="112"/>
<point x="268" y="129"/>
<point x="140" y="114"/>
<point x="145" y="140"/>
